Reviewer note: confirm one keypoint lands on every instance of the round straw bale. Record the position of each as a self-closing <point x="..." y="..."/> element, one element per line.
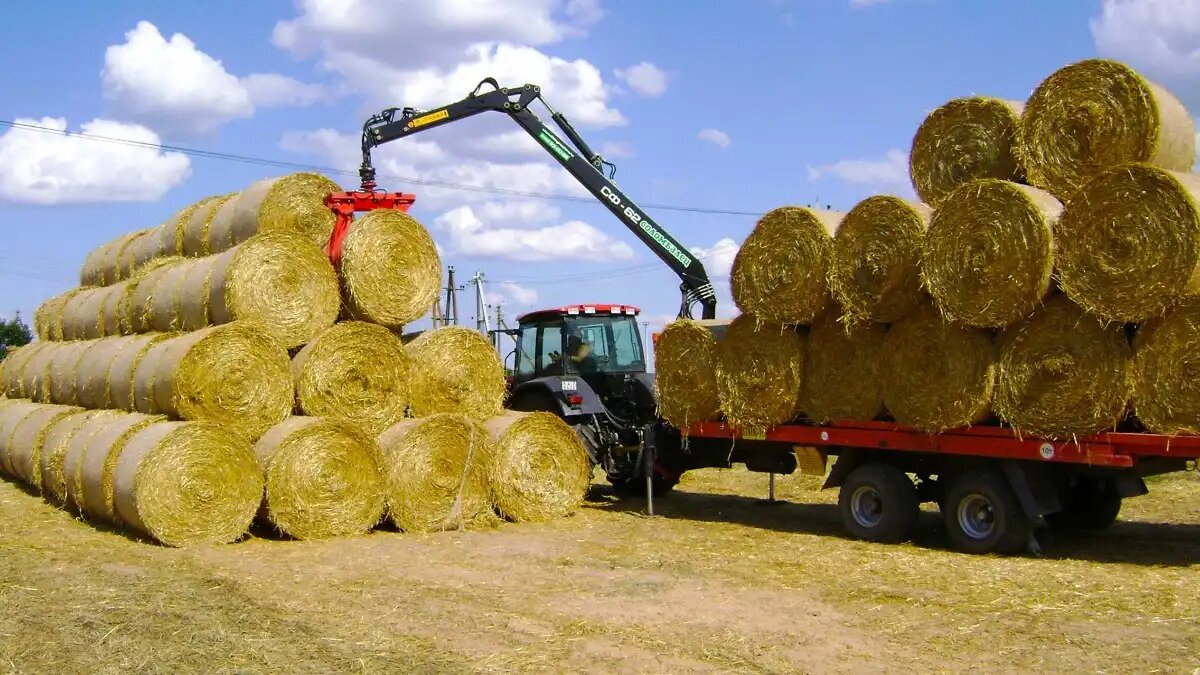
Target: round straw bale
<point x="10" y="416"/>
<point x="47" y="319"/>
<point x="841" y="370"/>
<point x="354" y="370"/>
<point x="760" y="367"/>
<point x="437" y="473"/>
<point x="455" y="370"/>
<point x="278" y="278"/>
<point x="171" y="233"/>
<point x="12" y="380"/>
<point x="58" y="440"/>
<point x="875" y="267"/>
<point x="988" y="255"/>
<point x="28" y="438"/>
<point x="73" y="455"/>
<point x="166" y="299"/>
<point x="539" y="469"/>
<point x="99" y="462"/>
<point x="324" y="478"/>
<point x="234" y="374"/>
<point x="146" y="296"/>
<point x="1062" y="373"/>
<point x="390" y="269"/>
<point x="780" y="274"/>
<point x="64" y="373"/>
<point x="936" y="375"/>
<point x="963" y="140"/>
<point x="195" y="230"/>
<point x="104" y="376"/>
<point x="83" y="314"/>
<point x="1129" y="244"/>
<point x="1096" y="114"/>
<point x="187" y="483"/>
<point x="35" y="373"/>
<point x="100" y="266"/>
<point x="1165" y="374"/>
<point x="144" y="244"/>
<point x="685" y="373"/>
<point x="294" y="203"/>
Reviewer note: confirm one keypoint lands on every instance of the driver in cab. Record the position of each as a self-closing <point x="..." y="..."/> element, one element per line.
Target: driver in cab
<point x="579" y="354"/>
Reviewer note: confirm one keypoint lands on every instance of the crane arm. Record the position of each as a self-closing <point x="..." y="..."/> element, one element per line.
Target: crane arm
<point x="578" y="158"/>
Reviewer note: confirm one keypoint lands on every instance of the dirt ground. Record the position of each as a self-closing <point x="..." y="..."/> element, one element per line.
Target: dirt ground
<point x="719" y="582"/>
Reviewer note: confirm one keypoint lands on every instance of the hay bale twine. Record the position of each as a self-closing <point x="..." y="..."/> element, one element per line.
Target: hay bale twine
<point x="187" y="483"/>
<point x="936" y="375"/>
<point x="685" y="372"/>
<point x="539" y="469"/>
<point x="1165" y="373"/>
<point x="1062" y="373"/>
<point x="1129" y="243"/>
<point x="780" y="273"/>
<point x="10" y="416"/>
<point x="1097" y="114"/>
<point x="28" y="439"/>
<point x="391" y="272"/>
<point x="234" y="374"/>
<point x="455" y="370"/>
<point x="437" y="473"/>
<point x="54" y="451"/>
<point x="760" y="368"/>
<point x="323" y="477"/>
<point x="841" y="370"/>
<point x="354" y="370"/>
<point x="963" y="140"/>
<point x="875" y="267"/>
<point x="988" y="255"/>
<point x="171" y="233"/>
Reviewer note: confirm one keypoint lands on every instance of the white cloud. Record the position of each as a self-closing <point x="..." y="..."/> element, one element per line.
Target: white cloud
<point x="508" y="144"/>
<point x="572" y="240"/>
<point x="718" y="259"/>
<point x="59" y="168"/>
<point x="344" y="151"/>
<point x="519" y="212"/>
<point x="644" y="78"/>
<point x="1159" y="36"/>
<point x="178" y="89"/>
<point x="891" y="170"/>
<point x="716" y="137"/>
<point x="616" y="150"/>
<point x="509" y="292"/>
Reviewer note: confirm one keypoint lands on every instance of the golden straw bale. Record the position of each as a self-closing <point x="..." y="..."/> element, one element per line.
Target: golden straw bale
<point x="108" y="370"/>
<point x="195" y="229"/>
<point x="100" y="266"/>
<point x="455" y="370"/>
<point x="12" y="383"/>
<point x="936" y="375"/>
<point x="539" y="469"/>
<point x="67" y="468"/>
<point x="140" y="250"/>
<point x="58" y="440"/>
<point x="875" y="267"/>
<point x="685" y="372"/>
<point x="354" y="370"/>
<point x="11" y="415"/>
<point x="437" y="473"/>
<point x="964" y="140"/>
<point x="390" y="270"/>
<point x="294" y="203"/>
<point x="1166" y="360"/>
<point x="323" y="477"/>
<point x="1062" y="373"/>
<point x="99" y="462"/>
<point x="760" y="369"/>
<point x="1129" y="243"/>
<point x="187" y="483"/>
<point x="62" y="381"/>
<point x="841" y="370"/>
<point x="780" y="273"/>
<point x="145" y="296"/>
<point x="1097" y="114"/>
<point x="988" y="255"/>
<point x="170" y="242"/>
<point x="47" y="319"/>
<point x="28" y="438"/>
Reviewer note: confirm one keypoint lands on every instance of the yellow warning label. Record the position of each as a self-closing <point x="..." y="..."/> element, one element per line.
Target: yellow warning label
<point x="428" y="119"/>
<point x="810" y="460"/>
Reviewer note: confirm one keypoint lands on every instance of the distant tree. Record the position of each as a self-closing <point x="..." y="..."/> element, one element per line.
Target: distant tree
<point x="13" y="333"/>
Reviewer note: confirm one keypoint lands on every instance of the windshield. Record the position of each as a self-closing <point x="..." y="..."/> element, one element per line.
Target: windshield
<point x="612" y="343"/>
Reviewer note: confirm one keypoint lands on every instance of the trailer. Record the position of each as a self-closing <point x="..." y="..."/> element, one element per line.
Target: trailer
<point x="992" y="485"/>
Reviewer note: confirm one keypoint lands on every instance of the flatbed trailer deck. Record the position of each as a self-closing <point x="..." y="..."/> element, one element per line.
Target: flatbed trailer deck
<point x="992" y="484"/>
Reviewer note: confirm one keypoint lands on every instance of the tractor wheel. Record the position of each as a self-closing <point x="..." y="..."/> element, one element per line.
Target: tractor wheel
<point x="879" y="503"/>
<point x="983" y="515"/>
<point x="1090" y="505"/>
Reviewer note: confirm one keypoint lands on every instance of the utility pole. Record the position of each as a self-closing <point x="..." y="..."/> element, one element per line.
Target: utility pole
<point x="499" y="326"/>
<point x="481" y="315"/>
<point x="451" y="314"/>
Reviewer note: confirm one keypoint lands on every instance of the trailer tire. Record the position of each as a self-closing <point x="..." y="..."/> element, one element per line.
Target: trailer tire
<point x="1090" y="505"/>
<point x="983" y="515"/>
<point x="879" y="503"/>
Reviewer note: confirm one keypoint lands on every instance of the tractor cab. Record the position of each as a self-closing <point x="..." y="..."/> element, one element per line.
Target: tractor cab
<point x="588" y="341"/>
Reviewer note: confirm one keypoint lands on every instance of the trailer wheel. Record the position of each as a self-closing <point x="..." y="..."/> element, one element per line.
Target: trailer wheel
<point x="1090" y="505"/>
<point x="983" y="515"/>
<point x="879" y="503"/>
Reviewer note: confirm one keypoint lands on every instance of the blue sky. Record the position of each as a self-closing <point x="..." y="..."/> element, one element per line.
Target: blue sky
<point x="722" y="105"/>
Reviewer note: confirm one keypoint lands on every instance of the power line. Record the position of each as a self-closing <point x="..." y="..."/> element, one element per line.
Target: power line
<point x="261" y="161"/>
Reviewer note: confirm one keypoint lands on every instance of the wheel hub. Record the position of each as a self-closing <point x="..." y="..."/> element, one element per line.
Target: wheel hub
<point x="977" y="516"/>
<point x="867" y="506"/>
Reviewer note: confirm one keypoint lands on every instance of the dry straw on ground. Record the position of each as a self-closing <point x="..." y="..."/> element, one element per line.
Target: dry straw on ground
<point x="456" y="370"/>
<point x="780" y="273"/>
<point x="539" y="469"/>
<point x="1097" y="114"/>
<point x="390" y="269"/>
<point x="1062" y="373"/>
<point x="1129" y="243"/>
<point x="875" y="267"/>
<point x="354" y="370"/>
<point x="760" y="368"/>
<point x="841" y="371"/>
<point x="685" y="372"/>
<point x="323" y="478"/>
<point x="1166" y="360"/>
<point x="187" y="483"/>
<point x="437" y="473"/>
<point x="987" y="257"/>
<point x="963" y="140"/>
<point x="936" y="375"/>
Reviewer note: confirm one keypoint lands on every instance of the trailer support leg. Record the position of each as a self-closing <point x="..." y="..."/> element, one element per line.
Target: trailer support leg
<point x="771" y="488"/>
<point x="648" y="453"/>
